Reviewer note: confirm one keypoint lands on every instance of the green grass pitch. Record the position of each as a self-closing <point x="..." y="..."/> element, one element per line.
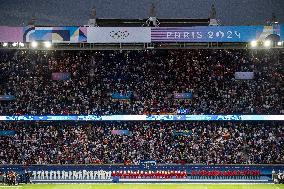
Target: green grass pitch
<point x="145" y="186"/>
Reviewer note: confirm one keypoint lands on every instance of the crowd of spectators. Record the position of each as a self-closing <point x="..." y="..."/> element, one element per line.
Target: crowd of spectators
<point x="164" y="142"/>
<point x="151" y="76"/>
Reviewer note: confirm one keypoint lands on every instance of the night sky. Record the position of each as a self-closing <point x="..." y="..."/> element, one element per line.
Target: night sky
<point x="76" y="12"/>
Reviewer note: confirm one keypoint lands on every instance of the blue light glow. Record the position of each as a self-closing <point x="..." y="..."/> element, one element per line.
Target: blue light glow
<point x="144" y="118"/>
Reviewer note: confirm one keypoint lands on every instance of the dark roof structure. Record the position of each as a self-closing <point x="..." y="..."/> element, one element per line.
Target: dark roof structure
<point x="170" y="22"/>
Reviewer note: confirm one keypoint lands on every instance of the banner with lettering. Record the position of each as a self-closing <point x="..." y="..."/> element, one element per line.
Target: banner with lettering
<point x="214" y="33"/>
<point x="75" y="34"/>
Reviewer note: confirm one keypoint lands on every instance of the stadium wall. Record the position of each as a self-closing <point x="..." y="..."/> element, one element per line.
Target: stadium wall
<point x="77" y="34"/>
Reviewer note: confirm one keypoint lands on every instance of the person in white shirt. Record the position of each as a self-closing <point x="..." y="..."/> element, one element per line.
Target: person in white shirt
<point x="96" y="175"/>
<point x="46" y="174"/>
<point x="103" y="175"/>
<point x="34" y="175"/>
<point x="66" y="175"/>
<point x="50" y="175"/>
<point x="54" y="175"/>
<point x="42" y="175"/>
<point x="88" y="175"/>
<point x="85" y="174"/>
<point x="108" y="175"/>
<point x="74" y="175"/>
<point x="80" y="175"/>
<point x="62" y="174"/>
<point x="273" y="174"/>
<point x="92" y="175"/>
<point x="58" y="174"/>
<point x="70" y="175"/>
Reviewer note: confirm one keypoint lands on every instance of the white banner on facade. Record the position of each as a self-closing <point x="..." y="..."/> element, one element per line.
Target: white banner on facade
<point x="244" y="75"/>
<point x="119" y="35"/>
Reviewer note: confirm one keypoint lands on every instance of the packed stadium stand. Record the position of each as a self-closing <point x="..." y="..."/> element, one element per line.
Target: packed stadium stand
<point x="148" y="82"/>
<point x="142" y="100"/>
<point x="151" y="82"/>
<point x="129" y="143"/>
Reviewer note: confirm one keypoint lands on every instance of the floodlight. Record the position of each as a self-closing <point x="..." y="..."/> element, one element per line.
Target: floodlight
<point x="21" y="44"/>
<point x="267" y="43"/>
<point x="5" y="44"/>
<point x="253" y="43"/>
<point x="47" y="44"/>
<point x="14" y="44"/>
<point x="34" y="44"/>
<point x="279" y="43"/>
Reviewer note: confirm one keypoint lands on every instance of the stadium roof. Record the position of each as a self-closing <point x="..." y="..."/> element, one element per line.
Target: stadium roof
<point x="173" y="22"/>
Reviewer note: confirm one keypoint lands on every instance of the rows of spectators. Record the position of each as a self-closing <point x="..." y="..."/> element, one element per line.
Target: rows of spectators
<point x="152" y="76"/>
<point x="164" y="142"/>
